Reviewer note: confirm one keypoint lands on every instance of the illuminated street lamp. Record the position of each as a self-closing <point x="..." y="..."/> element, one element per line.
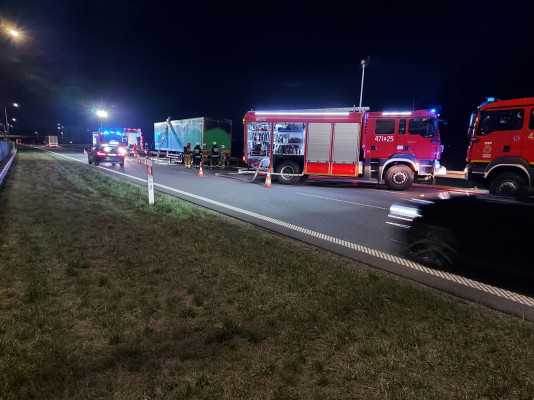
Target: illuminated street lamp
<point x="61" y="130"/>
<point x="101" y="114"/>
<point x="14" y="33"/>
<point x="7" y="120"/>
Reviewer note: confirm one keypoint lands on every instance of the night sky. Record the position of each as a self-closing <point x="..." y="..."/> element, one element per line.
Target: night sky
<point x="145" y="61"/>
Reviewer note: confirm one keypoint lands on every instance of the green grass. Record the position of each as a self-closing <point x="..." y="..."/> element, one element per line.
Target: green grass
<point x="104" y="296"/>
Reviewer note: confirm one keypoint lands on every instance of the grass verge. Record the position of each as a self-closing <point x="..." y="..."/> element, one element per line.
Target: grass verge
<point x="103" y="296"/>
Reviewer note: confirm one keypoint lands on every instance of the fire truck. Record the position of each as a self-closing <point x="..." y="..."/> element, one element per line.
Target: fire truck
<point x="501" y="145"/>
<point x="126" y="137"/>
<point x="391" y="147"/>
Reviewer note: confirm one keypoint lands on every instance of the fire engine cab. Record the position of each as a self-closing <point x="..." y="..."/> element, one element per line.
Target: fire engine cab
<point x="391" y="147"/>
<point x="126" y="137"/>
<point x="501" y="149"/>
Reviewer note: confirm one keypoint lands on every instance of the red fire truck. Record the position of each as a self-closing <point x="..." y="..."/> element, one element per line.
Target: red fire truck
<point x="501" y="149"/>
<point x="391" y="147"/>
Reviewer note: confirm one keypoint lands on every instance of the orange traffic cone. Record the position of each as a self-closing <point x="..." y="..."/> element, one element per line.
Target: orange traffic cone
<point x="268" y="179"/>
<point x="200" y="173"/>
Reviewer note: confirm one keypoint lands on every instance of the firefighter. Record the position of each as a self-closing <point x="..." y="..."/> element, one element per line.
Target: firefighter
<point x="188" y="155"/>
<point x="205" y="155"/>
<point x="214" y="155"/>
<point x="197" y="155"/>
<point x="223" y="157"/>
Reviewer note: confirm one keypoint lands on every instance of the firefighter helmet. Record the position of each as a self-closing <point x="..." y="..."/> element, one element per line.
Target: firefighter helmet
<point x="214" y="143"/>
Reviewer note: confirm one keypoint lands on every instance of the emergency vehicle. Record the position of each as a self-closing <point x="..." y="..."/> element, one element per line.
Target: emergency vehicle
<point x="51" y="141"/>
<point x="501" y="145"/>
<point x="126" y="137"/>
<point x="391" y="147"/>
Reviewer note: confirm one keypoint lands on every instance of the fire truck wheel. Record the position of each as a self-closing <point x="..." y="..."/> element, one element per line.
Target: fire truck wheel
<point x="507" y="183"/>
<point x="122" y="164"/>
<point x="288" y="167"/>
<point x="89" y="160"/>
<point x="399" y="177"/>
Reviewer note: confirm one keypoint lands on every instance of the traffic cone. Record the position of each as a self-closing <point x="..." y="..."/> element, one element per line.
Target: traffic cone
<point x="84" y="152"/>
<point x="200" y="173"/>
<point x="268" y="179"/>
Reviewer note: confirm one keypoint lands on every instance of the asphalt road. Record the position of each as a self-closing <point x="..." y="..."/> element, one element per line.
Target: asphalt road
<point x="338" y="215"/>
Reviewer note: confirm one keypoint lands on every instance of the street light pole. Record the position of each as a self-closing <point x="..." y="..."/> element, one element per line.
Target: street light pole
<point x="7" y="121"/>
<point x="363" y="65"/>
<point x="6" y="130"/>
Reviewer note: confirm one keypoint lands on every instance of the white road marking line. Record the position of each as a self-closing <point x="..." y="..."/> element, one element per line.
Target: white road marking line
<point x="483" y="287"/>
<point x="342" y="201"/>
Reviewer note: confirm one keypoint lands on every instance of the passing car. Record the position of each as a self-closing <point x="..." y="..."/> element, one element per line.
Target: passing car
<point x="106" y="153"/>
<point x="484" y="232"/>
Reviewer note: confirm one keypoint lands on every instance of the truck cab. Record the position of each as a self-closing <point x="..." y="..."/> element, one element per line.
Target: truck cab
<point x="500" y="155"/>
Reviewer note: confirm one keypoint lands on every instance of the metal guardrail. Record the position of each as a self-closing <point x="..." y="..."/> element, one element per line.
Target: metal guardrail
<point x="6" y="167"/>
<point x="5" y="149"/>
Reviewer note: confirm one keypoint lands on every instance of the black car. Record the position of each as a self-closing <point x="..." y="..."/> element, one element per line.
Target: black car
<point x="105" y="153"/>
<point x="484" y="232"/>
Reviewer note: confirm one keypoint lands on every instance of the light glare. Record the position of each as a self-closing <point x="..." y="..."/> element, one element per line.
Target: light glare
<point x="299" y="113"/>
<point x="397" y="113"/>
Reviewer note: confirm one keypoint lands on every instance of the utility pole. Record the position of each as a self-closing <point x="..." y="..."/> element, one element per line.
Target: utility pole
<point x="364" y="62"/>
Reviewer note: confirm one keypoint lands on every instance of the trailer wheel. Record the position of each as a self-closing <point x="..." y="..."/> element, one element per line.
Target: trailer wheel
<point x="286" y="169"/>
<point x="122" y="164"/>
<point x="89" y="160"/>
<point x="507" y="183"/>
<point x="399" y="177"/>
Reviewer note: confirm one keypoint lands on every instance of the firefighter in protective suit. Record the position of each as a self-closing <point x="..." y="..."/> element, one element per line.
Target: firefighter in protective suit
<point x="197" y="155"/>
<point x="188" y="156"/>
<point x="205" y="155"/>
<point x="214" y="155"/>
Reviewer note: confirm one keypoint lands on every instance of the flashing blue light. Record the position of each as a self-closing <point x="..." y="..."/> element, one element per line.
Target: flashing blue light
<point x="490" y="99"/>
<point x="433" y="110"/>
<point x="106" y="132"/>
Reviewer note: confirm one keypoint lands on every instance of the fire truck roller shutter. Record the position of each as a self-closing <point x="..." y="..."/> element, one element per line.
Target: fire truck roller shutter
<point x="319" y="138"/>
<point x="345" y="149"/>
<point x="346" y="143"/>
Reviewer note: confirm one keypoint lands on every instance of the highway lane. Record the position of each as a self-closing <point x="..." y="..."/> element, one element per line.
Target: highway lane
<point x="337" y="215"/>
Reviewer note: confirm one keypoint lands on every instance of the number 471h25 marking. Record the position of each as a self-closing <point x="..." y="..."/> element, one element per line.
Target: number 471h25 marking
<point x="388" y="139"/>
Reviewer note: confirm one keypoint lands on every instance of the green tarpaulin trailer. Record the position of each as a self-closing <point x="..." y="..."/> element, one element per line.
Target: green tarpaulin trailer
<point x="171" y="140"/>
